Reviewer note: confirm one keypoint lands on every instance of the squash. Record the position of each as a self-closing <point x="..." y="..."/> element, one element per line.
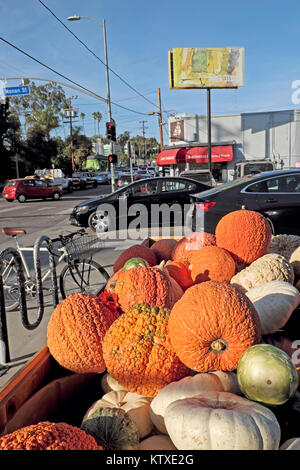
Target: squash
<point x="158" y="442"/>
<point x="111" y="283"/>
<point x="187" y="387"/>
<point x="76" y="330"/>
<point x="211" y="263"/>
<point x="135" y="251"/>
<point x="212" y="325"/>
<point x="271" y="267"/>
<point x="150" y="285"/>
<point x="245" y="234"/>
<point x="109" y="384"/>
<point x="221" y="421"/>
<point x="163" y="249"/>
<point x="136" y="406"/>
<point x="112" y="428"/>
<point x="274" y="302"/>
<point x="135" y="263"/>
<point x="192" y="242"/>
<point x="138" y="352"/>
<point x="295" y="261"/>
<point x="179" y="270"/>
<point x="48" y="436"/>
<point x="266" y="374"/>
<point x="291" y="444"/>
<point x="284" y="245"/>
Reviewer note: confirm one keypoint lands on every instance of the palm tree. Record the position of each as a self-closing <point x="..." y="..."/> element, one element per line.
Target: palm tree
<point x="97" y="116"/>
<point x="82" y="116"/>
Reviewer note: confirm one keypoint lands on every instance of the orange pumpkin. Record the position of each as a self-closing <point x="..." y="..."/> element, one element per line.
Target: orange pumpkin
<point x="187" y="245"/>
<point x="245" y="234"/>
<point x="138" y="352"/>
<point x="76" y="330"/>
<point x="211" y="263"/>
<point x="135" y="251"/>
<point x="151" y="285"/>
<point x="111" y="283"/>
<point x="163" y="249"/>
<point x="179" y="270"/>
<point x="212" y="325"/>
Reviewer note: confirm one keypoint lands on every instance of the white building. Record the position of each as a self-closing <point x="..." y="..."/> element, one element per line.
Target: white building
<point x="271" y="135"/>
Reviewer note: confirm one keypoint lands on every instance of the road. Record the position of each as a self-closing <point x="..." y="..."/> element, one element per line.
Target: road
<point x="38" y="218"/>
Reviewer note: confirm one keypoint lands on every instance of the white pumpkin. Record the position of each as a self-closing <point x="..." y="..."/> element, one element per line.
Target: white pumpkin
<point x="221" y="421"/>
<point x="295" y="261"/>
<point x="291" y="444"/>
<point x="108" y="384"/>
<point x="190" y="386"/>
<point x="136" y="406"/>
<point x="159" y="442"/>
<point x="274" y="302"/>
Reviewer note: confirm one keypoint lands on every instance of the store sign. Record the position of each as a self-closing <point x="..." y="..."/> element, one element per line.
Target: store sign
<point x="177" y="131"/>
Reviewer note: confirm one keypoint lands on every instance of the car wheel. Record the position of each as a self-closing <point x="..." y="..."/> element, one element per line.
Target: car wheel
<point x="21" y="198"/>
<point x="99" y="221"/>
<point x="272" y="226"/>
<point x="95" y="184"/>
<point x="56" y="196"/>
<point x="10" y="200"/>
<point x="70" y="188"/>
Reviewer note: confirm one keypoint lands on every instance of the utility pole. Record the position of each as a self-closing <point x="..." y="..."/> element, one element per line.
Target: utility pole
<point x="71" y="113"/>
<point x="160" y="121"/>
<point x="143" y="130"/>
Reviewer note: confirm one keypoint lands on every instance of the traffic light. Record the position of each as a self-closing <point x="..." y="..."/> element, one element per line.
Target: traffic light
<point x="113" y="158"/>
<point x="111" y="130"/>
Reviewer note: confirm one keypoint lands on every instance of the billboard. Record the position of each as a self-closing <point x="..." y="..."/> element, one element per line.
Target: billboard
<point x="206" y="67"/>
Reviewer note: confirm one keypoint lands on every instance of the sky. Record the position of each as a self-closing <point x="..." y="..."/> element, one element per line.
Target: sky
<point x="139" y="35"/>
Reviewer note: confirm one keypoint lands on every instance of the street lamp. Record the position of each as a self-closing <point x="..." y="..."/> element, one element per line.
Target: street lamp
<point x="77" y="18"/>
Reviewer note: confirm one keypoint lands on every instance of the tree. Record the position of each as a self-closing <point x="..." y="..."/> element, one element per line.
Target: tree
<point x="10" y="141"/>
<point x="97" y="116"/>
<point x="82" y="117"/>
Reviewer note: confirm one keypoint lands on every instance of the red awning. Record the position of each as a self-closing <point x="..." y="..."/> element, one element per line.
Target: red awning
<point x="219" y="153"/>
<point x="171" y="156"/>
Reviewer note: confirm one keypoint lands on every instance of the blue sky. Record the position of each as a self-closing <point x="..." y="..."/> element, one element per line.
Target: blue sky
<point x="139" y="36"/>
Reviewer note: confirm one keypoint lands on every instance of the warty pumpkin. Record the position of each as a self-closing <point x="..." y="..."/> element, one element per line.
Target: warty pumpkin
<point x="76" y="330"/>
<point x="49" y="436"/>
<point x="164" y="248"/>
<point x="245" y="234"/>
<point x="187" y="387"/>
<point x="211" y="263"/>
<point x="192" y="242"/>
<point x="212" y="325"/>
<point x="221" y="421"/>
<point x="136" y="406"/>
<point x="270" y="267"/>
<point x="135" y="251"/>
<point x="150" y="285"/>
<point x="295" y="261"/>
<point x="284" y="244"/>
<point x="138" y="352"/>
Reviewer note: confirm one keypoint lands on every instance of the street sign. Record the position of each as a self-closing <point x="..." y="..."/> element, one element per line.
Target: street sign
<point x="16" y="90"/>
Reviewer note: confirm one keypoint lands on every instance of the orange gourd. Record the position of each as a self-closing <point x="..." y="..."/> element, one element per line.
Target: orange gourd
<point x="150" y="285"/>
<point x="135" y="251"/>
<point x="211" y="263"/>
<point x="163" y="249"/>
<point x="138" y="352"/>
<point x="245" y="234"/>
<point x="111" y="283"/>
<point x="76" y="330"/>
<point x="212" y="325"/>
<point x="179" y="270"/>
<point x="194" y="241"/>
<point x="49" y="436"/>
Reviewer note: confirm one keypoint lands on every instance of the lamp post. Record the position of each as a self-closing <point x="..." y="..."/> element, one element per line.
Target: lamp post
<point x="77" y="18"/>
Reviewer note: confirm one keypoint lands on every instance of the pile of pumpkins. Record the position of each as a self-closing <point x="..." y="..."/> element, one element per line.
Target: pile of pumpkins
<point x="189" y="339"/>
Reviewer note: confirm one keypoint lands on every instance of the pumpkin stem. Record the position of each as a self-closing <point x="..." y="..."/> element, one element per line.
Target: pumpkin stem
<point x="218" y="345"/>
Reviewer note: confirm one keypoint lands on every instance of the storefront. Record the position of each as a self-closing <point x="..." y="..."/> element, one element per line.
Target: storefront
<point x="173" y="158"/>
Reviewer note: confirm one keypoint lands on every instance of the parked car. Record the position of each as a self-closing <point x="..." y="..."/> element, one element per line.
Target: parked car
<point x="275" y="194"/>
<point x="204" y="176"/>
<point x="86" y="179"/>
<point x="146" y="191"/>
<point x="77" y="183"/>
<point x="30" y="188"/>
<point x="124" y="180"/>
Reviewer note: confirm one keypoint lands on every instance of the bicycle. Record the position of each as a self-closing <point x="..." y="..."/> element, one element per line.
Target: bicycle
<point x="80" y="274"/>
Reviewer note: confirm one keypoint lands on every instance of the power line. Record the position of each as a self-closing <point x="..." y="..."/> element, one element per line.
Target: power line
<point x="66" y="78"/>
<point x="93" y="53"/>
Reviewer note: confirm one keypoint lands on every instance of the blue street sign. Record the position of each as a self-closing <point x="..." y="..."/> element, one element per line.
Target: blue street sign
<point x="16" y="90"/>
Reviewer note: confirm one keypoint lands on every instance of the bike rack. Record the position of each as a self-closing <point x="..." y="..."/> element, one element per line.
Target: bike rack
<point x="4" y="343"/>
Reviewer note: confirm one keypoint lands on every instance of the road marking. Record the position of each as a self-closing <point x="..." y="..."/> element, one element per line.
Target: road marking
<point x="45" y="208"/>
<point x="66" y="211"/>
<point x="9" y="209"/>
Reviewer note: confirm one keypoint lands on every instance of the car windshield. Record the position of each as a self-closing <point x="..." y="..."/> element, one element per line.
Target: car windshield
<point x="11" y="183"/>
<point x="218" y="189"/>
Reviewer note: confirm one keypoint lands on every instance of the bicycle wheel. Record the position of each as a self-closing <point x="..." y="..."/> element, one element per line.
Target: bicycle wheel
<point x="10" y="285"/>
<point x="82" y="276"/>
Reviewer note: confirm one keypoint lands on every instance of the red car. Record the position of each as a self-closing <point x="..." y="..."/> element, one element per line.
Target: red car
<point x="30" y="188"/>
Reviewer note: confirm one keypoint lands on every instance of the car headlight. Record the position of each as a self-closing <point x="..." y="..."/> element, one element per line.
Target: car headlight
<point x="82" y="208"/>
